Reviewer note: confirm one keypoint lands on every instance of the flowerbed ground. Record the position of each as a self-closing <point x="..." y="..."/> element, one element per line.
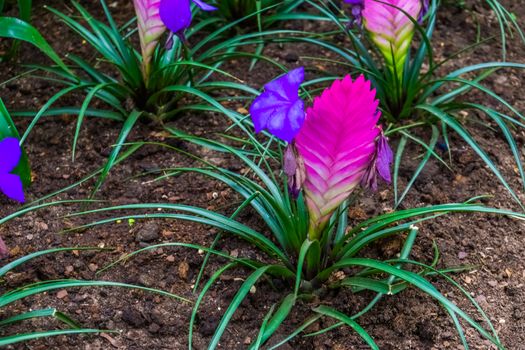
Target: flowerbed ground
<point x="493" y="245"/>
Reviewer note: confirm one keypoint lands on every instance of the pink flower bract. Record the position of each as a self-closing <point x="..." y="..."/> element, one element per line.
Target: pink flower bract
<point x="391" y="29"/>
<point x="150" y="28"/>
<point x="337" y="143"/>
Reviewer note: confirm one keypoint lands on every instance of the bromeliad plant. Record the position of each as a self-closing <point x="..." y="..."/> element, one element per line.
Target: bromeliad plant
<point x="147" y="79"/>
<point x="333" y="148"/>
<point x="413" y="93"/>
<point x="128" y="84"/>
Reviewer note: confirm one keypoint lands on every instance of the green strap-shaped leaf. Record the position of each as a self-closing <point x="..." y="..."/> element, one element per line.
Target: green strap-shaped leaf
<point x="237" y="300"/>
<point x="328" y="311"/>
<point x="124" y="132"/>
<point x="8" y="129"/>
<point x="15" y="28"/>
<point x="40" y="313"/>
<point x="458" y="128"/>
<point x="29" y="336"/>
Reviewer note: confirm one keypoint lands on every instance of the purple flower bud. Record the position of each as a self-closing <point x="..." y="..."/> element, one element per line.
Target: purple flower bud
<point x="294" y="169"/>
<point x="357" y="9"/>
<point x="380" y="164"/>
<point x="385" y="157"/>
<point x="424" y="11"/>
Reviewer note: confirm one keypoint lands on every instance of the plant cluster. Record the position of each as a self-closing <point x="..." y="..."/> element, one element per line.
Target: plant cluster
<point x="310" y="153"/>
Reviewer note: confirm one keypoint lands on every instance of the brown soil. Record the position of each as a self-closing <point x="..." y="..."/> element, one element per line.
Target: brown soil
<point x="406" y="321"/>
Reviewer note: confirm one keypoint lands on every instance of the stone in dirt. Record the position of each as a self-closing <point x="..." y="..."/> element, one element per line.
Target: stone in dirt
<point x="183" y="270"/>
<point x="148" y="232"/>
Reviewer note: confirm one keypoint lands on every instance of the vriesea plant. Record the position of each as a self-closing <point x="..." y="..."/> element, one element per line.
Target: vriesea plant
<point x="413" y="93"/>
<point x="131" y="84"/>
<point x="334" y="148"/>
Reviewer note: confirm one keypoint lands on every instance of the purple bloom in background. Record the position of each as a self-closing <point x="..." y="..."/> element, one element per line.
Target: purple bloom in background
<point x="357" y="9"/>
<point x="380" y="164"/>
<point x="424" y="10"/>
<point x="359" y="5"/>
<point x="10" y="184"/>
<point x="279" y="109"/>
<point x="176" y="14"/>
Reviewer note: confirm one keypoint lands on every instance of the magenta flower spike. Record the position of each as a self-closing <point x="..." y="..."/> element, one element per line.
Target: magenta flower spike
<point x="337" y="144"/>
<point x="10" y="154"/>
<point x="150" y="28"/>
<point x="391" y="29"/>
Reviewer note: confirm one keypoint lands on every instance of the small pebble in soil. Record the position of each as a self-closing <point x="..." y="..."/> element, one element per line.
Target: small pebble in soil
<point x="291" y="57"/>
<point x="62" y="294"/>
<point x="183" y="270"/>
<point x="133" y="317"/>
<point x="153" y="328"/>
<point x="167" y="234"/>
<point x="208" y="326"/>
<point x="462" y="255"/>
<point x="518" y="314"/>
<point x="146" y="280"/>
<point x="148" y="232"/>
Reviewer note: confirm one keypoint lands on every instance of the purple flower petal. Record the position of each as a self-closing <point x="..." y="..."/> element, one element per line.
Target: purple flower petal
<point x="424" y="11"/>
<point x="11" y="186"/>
<point x="279" y="109"/>
<point x="294" y="168"/>
<point x="385" y="157"/>
<point x="204" y="6"/>
<point x="357" y="9"/>
<point x="175" y="14"/>
<point x="380" y="164"/>
<point x="10" y="153"/>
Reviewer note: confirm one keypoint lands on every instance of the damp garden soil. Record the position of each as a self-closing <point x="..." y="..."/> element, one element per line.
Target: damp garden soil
<point x="493" y="245"/>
